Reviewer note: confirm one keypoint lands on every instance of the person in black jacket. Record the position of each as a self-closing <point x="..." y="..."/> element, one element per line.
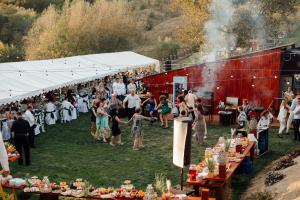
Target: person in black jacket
<point x="21" y="129"/>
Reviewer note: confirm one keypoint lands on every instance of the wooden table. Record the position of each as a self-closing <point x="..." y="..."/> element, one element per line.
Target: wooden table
<point x="217" y="183"/>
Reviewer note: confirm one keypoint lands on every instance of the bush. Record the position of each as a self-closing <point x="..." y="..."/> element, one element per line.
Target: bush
<point x="265" y="195"/>
<point x="83" y="28"/>
<point x="166" y="48"/>
<point x="10" y="53"/>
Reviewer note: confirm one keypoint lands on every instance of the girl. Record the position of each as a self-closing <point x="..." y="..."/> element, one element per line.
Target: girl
<point x="165" y="110"/>
<point x="282" y="118"/>
<point x="137" y="129"/>
<point x="115" y="129"/>
<point x="199" y="125"/>
<point x="102" y="122"/>
<point x="151" y="105"/>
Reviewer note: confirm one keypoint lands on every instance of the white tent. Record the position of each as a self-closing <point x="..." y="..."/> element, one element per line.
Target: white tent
<point x="20" y="80"/>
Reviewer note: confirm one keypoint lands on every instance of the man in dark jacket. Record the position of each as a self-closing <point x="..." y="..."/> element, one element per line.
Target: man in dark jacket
<point x="21" y="129"/>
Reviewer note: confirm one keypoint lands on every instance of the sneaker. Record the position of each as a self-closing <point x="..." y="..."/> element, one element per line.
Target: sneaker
<point x="120" y="143"/>
<point x="205" y="137"/>
<point x="104" y="140"/>
<point x="111" y="144"/>
<point x="142" y="146"/>
<point x="279" y="135"/>
<point x="135" y="149"/>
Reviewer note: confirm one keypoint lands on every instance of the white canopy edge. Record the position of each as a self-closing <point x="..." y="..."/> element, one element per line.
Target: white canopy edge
<point x="21" y="80"/>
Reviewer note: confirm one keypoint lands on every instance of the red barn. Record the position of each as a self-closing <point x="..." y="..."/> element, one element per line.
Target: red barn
<point x="255" y="76"/>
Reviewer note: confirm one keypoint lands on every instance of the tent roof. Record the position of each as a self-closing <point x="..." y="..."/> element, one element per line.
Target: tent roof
<point x="20" y="80"/>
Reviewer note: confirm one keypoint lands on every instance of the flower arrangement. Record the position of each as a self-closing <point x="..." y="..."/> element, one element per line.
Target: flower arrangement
<point x="160" y="183"/>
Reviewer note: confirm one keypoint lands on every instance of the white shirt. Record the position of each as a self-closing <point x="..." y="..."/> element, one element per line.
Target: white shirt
<point x="131" y="87"/>
<point x="263" y="123"/>
<point x="28" y="116"/>
<point x="133" y="101"/>
<point x="118" y="88"/>
<point x="297" y="112"/>
<point x="3" y="155"/>
<point x="190" y="99"/>
<point x="294" y="104"/>
<point x="242" y="117"/>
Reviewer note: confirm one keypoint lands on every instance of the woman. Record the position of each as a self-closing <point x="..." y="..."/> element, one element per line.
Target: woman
<point x="282" y="117"/>
<point x="199" y="125"/>
<point x="165" y="110"/>
<point x="102" y="122"/>
<point x="151" y="104"/>
<point x="114" y="103"/>
<point x="115" y="129"/>
<point x="93" y="117"/>
<point x="6" y="126"/>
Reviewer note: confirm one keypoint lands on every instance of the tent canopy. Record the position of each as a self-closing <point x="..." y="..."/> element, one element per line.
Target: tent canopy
<point x="20" y="80"/>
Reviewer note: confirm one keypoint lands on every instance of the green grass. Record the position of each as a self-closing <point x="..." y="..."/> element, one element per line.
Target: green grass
<point x="67" y="151"/>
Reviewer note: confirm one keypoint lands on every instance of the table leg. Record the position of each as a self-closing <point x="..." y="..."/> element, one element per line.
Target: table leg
<point x="197" y="191"/>
<point x="252" y="153"/>
<point x="2" y="193"/>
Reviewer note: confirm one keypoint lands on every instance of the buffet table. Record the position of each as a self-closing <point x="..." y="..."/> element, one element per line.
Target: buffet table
<point x="217" y="183"/>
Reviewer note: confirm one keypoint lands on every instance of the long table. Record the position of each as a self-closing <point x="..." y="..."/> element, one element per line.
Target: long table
<point x="217" y="183"/>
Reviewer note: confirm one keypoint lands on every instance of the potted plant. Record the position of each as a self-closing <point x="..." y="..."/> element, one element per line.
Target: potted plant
<point x="211" y="168"/>
<point x="227" y="144"/>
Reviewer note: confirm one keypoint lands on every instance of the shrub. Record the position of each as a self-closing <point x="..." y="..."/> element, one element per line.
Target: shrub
<point x="166" y="48"/>
<point x="265" y="195"/>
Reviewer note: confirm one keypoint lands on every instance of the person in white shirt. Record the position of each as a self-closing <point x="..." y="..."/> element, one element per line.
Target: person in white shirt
<point x="282" y="117"/>
<point x="263" y="131"/>
<point x="291" y="116"/>
<point x="131" y="86"/>
<point x="67" y="110"/>
<point x="122" y="89"/>
<point x="296" y="113"/>
<point x="28" y="116"/>
<point x="3" y="156"/>
<point x="190" y="100"/>
<point x="133" y="101"/>
<point x="51" y="116"/>
<point x="83" y="101"/>
<point x="242" y="117"/>
<point x="119" y="88"/>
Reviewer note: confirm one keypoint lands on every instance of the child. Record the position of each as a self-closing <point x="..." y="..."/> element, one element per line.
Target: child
<point x="137" y="129"/>
<point x="165" y="110"/>
<point x="151" y="105"/>
<point x="115" y="129"/>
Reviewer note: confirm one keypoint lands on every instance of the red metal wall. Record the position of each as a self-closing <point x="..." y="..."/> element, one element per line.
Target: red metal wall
<point x="254" y="76"/>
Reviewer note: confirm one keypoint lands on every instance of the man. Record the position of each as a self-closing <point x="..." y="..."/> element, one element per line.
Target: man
<point x="21" y="129"/>
<point x="131" y="86"/>
<point x="118" y="89"/>
<point x="28" y="116"/>
<point x="190" y="100"/>
<point x="3" y="156"/>
<point x="133" y="101"/>
<point x="288" y="95"/>
<point x="291" y="116"/>
<point x="296" y="113"/>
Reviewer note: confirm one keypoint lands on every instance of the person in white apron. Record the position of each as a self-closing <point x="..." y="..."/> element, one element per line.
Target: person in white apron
<point x="50" y="113"/>
<point x="282" y="117"/>
<point x="67" y="111"/>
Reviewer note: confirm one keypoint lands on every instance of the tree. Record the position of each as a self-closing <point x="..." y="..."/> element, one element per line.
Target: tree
<point x="15" y="22"/>
<point x="10" y="53"/>
<point x="83" y="28"/>
<point x="194" y="15"/>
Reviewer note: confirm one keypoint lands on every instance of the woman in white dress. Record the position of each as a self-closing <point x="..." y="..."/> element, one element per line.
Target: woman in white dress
<point x="3" y="156"/>
<point x="51" y="116"/>
<point x="282" y="117"/>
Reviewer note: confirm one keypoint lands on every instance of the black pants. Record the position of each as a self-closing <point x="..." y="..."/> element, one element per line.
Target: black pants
<point x="296" y="124"/>
<point x="31" y="136"/>
<point x="130" y="112"/>
<point x="23" y="143"/>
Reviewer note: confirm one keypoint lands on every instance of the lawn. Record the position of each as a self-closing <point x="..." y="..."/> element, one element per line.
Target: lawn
<point x="67" y="151"/>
